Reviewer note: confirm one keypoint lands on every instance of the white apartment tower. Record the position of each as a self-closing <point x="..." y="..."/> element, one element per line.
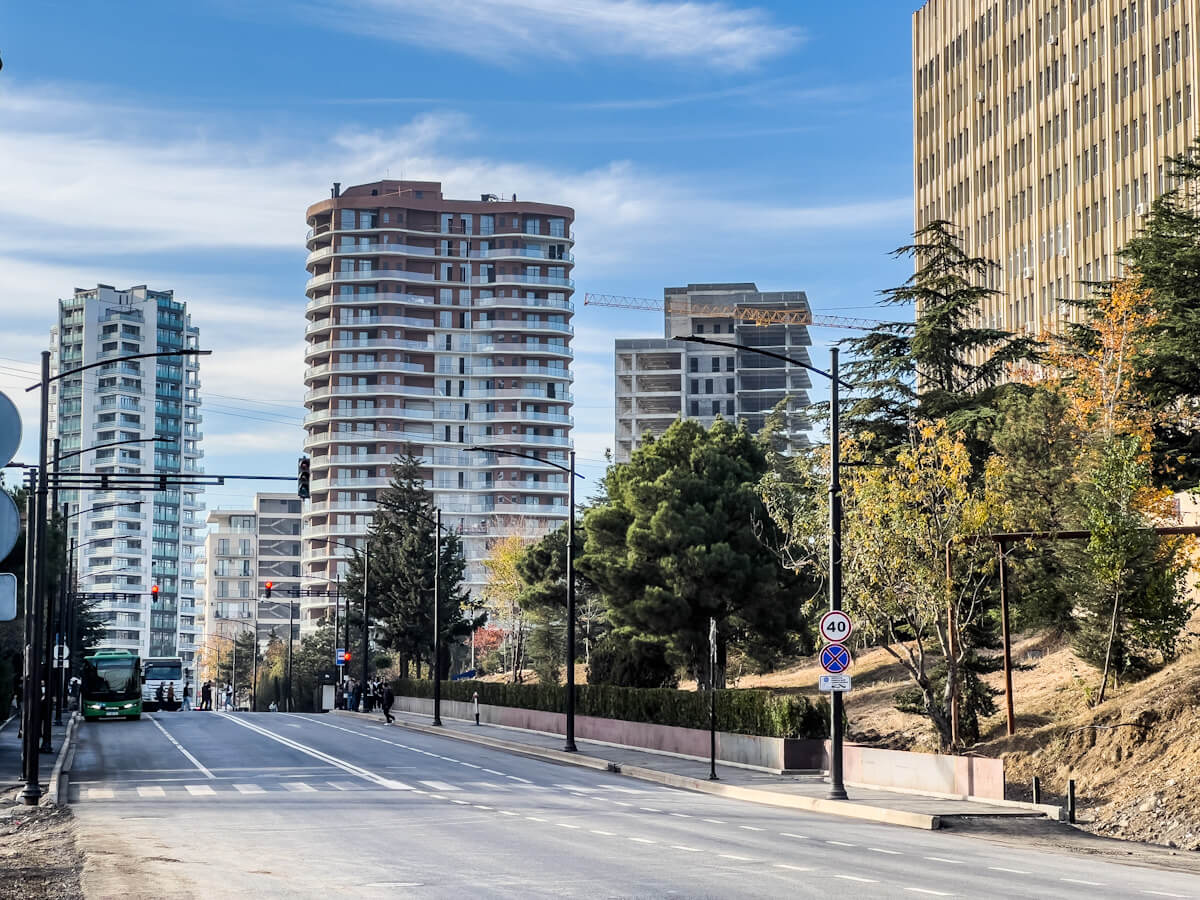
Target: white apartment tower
<point x="129" y="542"/>
<point x="435" y="325"/>
<point x="1040" y="129"/>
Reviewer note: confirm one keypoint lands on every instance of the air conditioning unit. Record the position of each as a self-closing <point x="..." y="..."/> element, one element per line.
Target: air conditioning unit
<point x="1054" y="39"/>
<point x="1140" y="209"/>
<point x="1062" y="251"/>
<point x="1074" y="78"/>
<point x="980" y="97"/>
<point x="1028" y="273"/>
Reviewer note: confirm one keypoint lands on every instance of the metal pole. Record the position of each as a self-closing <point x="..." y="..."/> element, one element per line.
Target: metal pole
<point x="362" y="687"/>
<point x="337" y="608"/>
<point x="254" y="660"/>
<point x="437" y="635"/>
<point x="570" y="743"/>
<point x="28" y="748"/>
<point x="233" y="674"/>
<point x="1006" y="637"/>
<point x="951" y="630"/>
<point x="837" y="789"/>
<point x="712" y="700"/>
<point x="291" y="636"/>
<point x="60" y="618"/>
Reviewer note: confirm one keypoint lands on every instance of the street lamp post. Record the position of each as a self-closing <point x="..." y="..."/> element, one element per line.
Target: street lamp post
<point x="569" y="745"/>
<point x="437" y="634"/>
<point x="837" y="787"/>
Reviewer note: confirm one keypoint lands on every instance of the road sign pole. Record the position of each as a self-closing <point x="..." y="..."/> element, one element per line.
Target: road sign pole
<point x="837" y="790"/>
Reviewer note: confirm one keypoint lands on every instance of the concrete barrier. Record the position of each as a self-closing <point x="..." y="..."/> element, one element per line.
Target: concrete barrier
<point x="60" y="786"/>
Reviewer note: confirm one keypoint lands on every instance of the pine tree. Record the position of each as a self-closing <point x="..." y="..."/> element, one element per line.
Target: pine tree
<point x="675" y="544"/>
<point x="1166" y="254"/>
<point x="904" y="371"/>
<point x="400" y="578"/>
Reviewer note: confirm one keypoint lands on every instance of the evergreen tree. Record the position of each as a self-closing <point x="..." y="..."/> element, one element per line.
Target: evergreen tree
<point x="675" y="544"/>
<point x="924" y="369"/>
<point x="1166" y="254"/>
<point x="401" y="559"/>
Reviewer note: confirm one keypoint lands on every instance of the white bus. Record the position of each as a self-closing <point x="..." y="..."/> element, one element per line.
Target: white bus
<point x="167" y="672"/>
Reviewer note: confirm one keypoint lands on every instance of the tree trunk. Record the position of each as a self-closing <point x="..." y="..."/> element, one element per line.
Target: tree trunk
<point x="1112" y="634"/>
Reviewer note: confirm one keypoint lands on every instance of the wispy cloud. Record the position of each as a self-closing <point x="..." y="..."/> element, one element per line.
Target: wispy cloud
<point x="713" y="34"/>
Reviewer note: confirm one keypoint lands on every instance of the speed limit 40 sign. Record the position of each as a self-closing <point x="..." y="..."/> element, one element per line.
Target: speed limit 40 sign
<point x="836" y="626"/>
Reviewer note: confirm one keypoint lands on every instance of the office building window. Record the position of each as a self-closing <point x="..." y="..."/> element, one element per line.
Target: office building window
<point x="716" y="364"/>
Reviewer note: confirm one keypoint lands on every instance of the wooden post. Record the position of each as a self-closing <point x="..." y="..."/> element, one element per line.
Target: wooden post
<point x="1006" y="637"/>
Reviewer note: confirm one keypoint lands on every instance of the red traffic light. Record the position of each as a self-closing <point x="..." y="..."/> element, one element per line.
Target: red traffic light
<point x="346" y="656"/>
<point x="267" y="588"/>
<point x="154" y="589"/>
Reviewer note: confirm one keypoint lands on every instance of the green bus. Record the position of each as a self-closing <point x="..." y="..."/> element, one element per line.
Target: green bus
<point x="112" y="685"/>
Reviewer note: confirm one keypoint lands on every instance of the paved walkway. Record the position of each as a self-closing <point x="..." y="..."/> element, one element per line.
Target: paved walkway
<point x="815" y="787"/>
<point x="10" y="753"/>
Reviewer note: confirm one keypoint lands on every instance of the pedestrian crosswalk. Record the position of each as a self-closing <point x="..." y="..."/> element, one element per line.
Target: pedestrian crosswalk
<point x="221" y="788"/>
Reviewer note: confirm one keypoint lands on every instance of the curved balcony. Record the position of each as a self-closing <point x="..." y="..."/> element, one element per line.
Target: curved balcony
<point x="333" y="368"/>
<point x="524" y="301"/>
<point x="374" y="299"/>
<point x="341" y="390"/>
<point x="522" y="325"/>
<point x="521" y="416"/>
<point x="518" y="278"/>
<point x="322" y="232"/>
<point x="538" y="439"/>
<point x="318" y="325"/>
<point x="316" y="347"/>
<point x="351" y="460"/>
<point x="350" y="484"/>
<point x="324" y="507"/>
<point x="371" y="250"/>
<point x="336" y="438"/>
<point x="375" y="275"/>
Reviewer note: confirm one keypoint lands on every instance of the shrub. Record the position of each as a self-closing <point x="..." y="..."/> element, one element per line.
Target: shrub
<point x="742" y="712"/>
<point x="637" y="662"/>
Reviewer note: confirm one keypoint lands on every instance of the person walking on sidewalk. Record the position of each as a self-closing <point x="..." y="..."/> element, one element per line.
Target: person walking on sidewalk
<point x="386" y="702"/>
<point x="187" y="696"/>
<point x="206" y="695"/>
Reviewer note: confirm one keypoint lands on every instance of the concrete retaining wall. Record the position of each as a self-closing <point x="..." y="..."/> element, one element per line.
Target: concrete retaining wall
<point x="961" y="776"/>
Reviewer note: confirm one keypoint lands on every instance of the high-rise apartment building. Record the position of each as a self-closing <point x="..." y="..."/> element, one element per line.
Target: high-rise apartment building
<point x="1040" y="129"/>
<point x="243" y="550"/>
<point x="659" y="379"/>
<point x="435" y="325"/>
<point x="130" y="541"/>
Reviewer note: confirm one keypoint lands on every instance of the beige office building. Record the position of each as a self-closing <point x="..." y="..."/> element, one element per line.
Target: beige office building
<point x="1040" y="129"/>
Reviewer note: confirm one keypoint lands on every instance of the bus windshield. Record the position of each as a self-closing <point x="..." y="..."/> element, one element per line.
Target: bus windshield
<point x="111" y="679"/>
<point x="164" y="671"/>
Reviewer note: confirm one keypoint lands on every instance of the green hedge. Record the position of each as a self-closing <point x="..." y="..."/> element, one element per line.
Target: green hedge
<point x="742" y="712"/>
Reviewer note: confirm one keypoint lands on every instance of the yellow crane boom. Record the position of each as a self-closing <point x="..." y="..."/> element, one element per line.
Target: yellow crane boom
<point x="749" y="313"/>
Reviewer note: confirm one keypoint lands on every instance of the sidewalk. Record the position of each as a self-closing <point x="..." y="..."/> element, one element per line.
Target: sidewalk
<point x="808" y="792"/>
<point x="10" y="754"/>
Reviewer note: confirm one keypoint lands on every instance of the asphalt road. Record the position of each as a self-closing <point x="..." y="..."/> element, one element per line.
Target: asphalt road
<point x="275" y="805"/>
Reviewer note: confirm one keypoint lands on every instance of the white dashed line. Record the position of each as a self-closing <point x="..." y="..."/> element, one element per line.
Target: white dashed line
<point x="299" y="787"/>
<point x="515" y="778"/>
<point x="200" y="790"/>
<point x="881" y="850"/>
<point x="857" y="878"/>
<point x="844" y="844"/>
<point x="461" y="802"/>
<point x="494" y="772"/>
<point x="439" y="786"/>
<point x="915" y="890"/>
<point x="953" y="862"/>
<point x="434" y="796"/>
<point x="1162" y="894"/>
<point x="151" y="792"/>
<point x="99" y="794"/>
<point x="685" y="849"/>
<point x="799" y="837"/>
<point x="643" y="841"/>
<point x="467" y="764"/>
<point x="716" y="821"/>
<point x="1081" y="881"/>
<point x="534" y="819"/>
<point x="793" y="868"/>
<point x="566" y="825"/>
<point x="649" y="809"/>
<point x="604" y="833"/>
<point x="620" y="803"/>
<point x="249" y="789"/>
<point x="738" y="858"/>
<point x="477" y="806"/>
<point x="681" y="815"/>
<point x="1011" y="871"/>
<point x="505" y="812"/>
<point x="750" y="827"/>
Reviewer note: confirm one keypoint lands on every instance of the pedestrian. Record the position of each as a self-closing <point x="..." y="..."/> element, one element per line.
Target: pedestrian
<point x="187" y="696"/>
<point x="386" y="702"/>
<point x="206" y="695"/>
<point x="158" y="695"/>
<point x="229" y="697"/>
<point x="354" y="692"/>
<point x="274" y="707"/>
<point x="171" y="695"/>
<point x="339" y="697"/>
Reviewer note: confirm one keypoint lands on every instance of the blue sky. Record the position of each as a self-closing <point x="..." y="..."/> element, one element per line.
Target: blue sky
<point x="178" y="145"/>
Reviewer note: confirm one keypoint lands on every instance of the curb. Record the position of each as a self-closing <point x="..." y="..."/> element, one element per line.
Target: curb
<point x="791" y="801"/>
<point x="60" y="780"/>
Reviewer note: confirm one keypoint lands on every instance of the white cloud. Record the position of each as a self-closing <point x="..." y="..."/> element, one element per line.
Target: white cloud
<point x="712" y="34"/>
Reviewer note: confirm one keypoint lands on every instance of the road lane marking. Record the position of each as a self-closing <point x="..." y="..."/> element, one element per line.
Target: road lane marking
<point x="467" y="764"/>
<point x="750" y="827"/>
<point x="249" y="789"/>
<point x="461" y="802"/>
<point x="857" y="878"/>
<point x="916" y="890"/>
<point x="505" y="812"/>
<point x="1081" y="881"/>
<point x="567" y="825"/>
<point x="738" y="858"/>
<point x="299" y="787"/>
<point x="515" y="778"/>
<point x="1161" y="893"/>
<point x="881" y="850"/>
<point x="793" y="868"/>
<point x="440" y="786"/>
<point x="480" y="806"/>
<point x="686" y="849"/>
<point x="801" y="837"/>
<point x="844" y="844"/>
<point x="681" y="815"/>
<point x="534" y="819"/>
<point x="100" y="794"/>
<point x="178" y="746"/>
<point x="491" y="787"/>
<point x="318" y="754"/>
<point x="604" y="833"/>
<point x="200" y="790"/>
<point x="151" y="792"/>
<point x="622" y="803"/>
<point x="494" y="772"/>
<point x="1011" y="871"/>
<point x="638" y="840"/>
<point x="649" y="809"/>
<point x="953" y="862"/>
<point x="715" y="821"/>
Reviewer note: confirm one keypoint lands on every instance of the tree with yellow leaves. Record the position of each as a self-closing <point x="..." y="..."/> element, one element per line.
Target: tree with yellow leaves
<point x="501" y="598"/>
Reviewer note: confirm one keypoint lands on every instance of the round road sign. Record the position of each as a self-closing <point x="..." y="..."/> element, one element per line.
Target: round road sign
<point x="835" y="659"/>
<point x="10" y="524"/>
<point x="836" y="626"/>
<point x="10" y="430"/>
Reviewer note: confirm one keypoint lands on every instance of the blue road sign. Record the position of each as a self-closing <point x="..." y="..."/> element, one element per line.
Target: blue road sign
<point x="835" y="659"/>
<point x="341" y="656"/>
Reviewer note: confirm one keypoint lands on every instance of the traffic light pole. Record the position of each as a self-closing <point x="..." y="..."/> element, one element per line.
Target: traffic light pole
<point x="437" y="634"/>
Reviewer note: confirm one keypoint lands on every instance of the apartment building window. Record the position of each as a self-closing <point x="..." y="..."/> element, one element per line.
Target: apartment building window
<point x="695" y="383"/>
<point x="558" y="227"/>
<point x="708" y="385"/>
<point x="729" y="385"/>
<point x="729" y="364"/>
<point x="533" y="226"/>
<point x="695" y="407"/>
<point x="716" y="364"/>
<point x="716" y="407"/>
<point x="729" y="407"/>
<point x="694" y="364"/>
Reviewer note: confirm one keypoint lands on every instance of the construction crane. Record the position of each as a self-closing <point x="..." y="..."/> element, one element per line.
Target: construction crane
<point x="749" y="313"/>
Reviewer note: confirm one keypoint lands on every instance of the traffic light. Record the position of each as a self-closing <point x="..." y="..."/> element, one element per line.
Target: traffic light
<point x="346" y="656"/>
<point x="268" y="586"/>
<point x="154" y="591"/>
<point x="302" y="477"/>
